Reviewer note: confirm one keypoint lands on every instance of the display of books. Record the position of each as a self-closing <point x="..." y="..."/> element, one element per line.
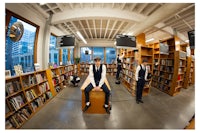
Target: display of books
<point x="18" y="70"/>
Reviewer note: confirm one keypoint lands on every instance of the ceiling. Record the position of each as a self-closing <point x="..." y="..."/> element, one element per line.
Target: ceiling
<point x="106" y="20"/>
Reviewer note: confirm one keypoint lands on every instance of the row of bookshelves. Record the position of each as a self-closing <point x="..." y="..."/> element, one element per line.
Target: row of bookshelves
<point x="111" y="69"/>
<point x="27" y="93"/>
<point x="131" y="60"/>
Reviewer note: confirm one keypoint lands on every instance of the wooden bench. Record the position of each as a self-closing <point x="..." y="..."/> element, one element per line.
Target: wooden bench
<point x="97" y="99"/>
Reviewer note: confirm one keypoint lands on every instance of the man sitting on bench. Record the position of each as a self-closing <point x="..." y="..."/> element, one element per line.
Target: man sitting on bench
<point x="97" y="75"/>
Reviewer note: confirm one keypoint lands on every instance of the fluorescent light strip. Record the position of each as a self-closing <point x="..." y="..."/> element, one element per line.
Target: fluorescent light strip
<point x="79" y="34"/>
<point x="149" y="40"/>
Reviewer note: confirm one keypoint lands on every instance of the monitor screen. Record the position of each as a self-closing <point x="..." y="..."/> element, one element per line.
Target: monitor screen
<point x="191" y="36"/>
<point x="66" y="41"/>
<point x="125" y="41"/>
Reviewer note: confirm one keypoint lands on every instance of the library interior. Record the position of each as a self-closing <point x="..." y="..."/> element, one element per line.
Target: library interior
<point x="99" y="66"/>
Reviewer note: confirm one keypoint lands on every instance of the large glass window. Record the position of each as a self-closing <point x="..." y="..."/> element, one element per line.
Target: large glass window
<point x="110" y="55"/>
<point x="64" y="56"/>
<point x="53" y="52"/>
<point x="72" y="55"/>
<point x="86" y="54"/>
<point x="98" y="51"/>
<point x="21" y="52"/>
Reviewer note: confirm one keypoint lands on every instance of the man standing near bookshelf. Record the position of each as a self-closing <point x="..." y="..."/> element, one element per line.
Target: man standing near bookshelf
<point x="97" y="75"/>
<point x="141" y="77"/>
<point x="119" y="67"/>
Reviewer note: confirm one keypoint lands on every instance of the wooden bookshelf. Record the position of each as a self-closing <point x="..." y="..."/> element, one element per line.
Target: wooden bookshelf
<point x="25" y="95"/>
<point x="84" y="68"/>
<point x="146" y="52"/>
<point x="179" y="72"/>
<point x="28" y="93"/>
<point x="111" y="69"/>
<point x="192" y="72"/>
<point x="132" y="60"/>
<point x="169" y="69"/>
<point x="128" y="77"/>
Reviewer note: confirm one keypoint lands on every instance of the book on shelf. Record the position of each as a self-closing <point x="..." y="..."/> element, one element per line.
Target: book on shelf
<point x="49" y="94"/>
<point x="40" y="77"/>
<point x="17" y="102"/>
<point x="7" y="109"/>
<point x="163" y="62"/>
<point x="57" y="88"/>
<point x="30" y="94"/>
<point x="8" y="124"/>
<point x="9" y="88"/>
<point x="169" y="62"/>
<point x="37" y="66"/>
<point x="18" y="70"/>
<point x="14" y="121"/>
<point x="44" y="87"/>
<point x="36" y="103"/>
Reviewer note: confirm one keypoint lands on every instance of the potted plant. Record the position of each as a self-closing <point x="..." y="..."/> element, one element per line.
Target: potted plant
<point x="77" y="60"/>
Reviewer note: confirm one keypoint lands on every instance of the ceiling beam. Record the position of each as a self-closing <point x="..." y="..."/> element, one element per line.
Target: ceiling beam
<point x="89" y="28"/>
<point x="161" y="13"/>
<point x="38" y="8"/>
<point x="101" y="28"/>
<point x="133" y="6"/>
<point x="81" y="5"/>
<point x="61" y="7"/>
<point x="102" y="5"/>
<point x="71" y="29"/>
<point x="117" y="30"/>
<point x="142" y="7"/>
<point x="113" y="5"/>
<point x="111" y="31"/>
<point x="123" y="5"/>
<point x="89" y="13"/>
<point x="106" y="28"/>
<point x="71" y="5"/>
<point x="95" y="32"/>
<point x="150" y="9"/>
<point x="185" y="22"/>
<point x="126" y="27"/>
<point x="83" y="29"/>
<point x="50" y="9"/>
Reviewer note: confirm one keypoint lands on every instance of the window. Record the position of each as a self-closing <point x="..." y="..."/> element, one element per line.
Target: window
<point x="20" y="52"/>
<point x="53" y="52"/>
<point x="72" y="55"/>
<point x="86" y="54"/>
<point x="110" y="55"/>
<point x="64" y="56"/>
<point x="98" y="51"/>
